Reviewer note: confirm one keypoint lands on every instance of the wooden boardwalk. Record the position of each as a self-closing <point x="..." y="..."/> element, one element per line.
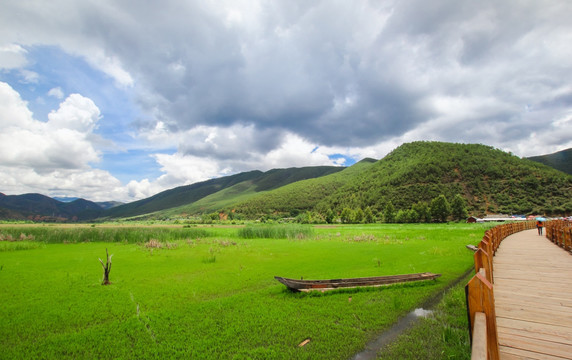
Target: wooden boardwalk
<point x="533" y="298"/>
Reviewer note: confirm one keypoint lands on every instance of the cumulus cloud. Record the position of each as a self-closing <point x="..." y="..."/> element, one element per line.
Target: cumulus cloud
<point x="56" y="92"/>
<point x="76" y="113"/>
<point x="12" y="56"/>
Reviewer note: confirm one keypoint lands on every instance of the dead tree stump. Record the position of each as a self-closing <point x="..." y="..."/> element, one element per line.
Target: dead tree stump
<point x="106" y="268"/>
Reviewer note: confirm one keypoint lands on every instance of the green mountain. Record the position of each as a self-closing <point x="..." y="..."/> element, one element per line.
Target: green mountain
<point x="561" y="160"/>
<point x="184" y="199"/>
<point x="490" y="180"/>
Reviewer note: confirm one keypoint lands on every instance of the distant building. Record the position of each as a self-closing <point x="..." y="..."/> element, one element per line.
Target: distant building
<point x="500" y="218"/>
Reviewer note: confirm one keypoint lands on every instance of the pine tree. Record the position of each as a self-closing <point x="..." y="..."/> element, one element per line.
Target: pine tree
<point x="358" y="216"/>
<point x="440" y="209"/>
<point x="347" y="215"/>
<point x="389" y="213"/>
<point x="368" y="216"/>
<point x="459" y="208"/>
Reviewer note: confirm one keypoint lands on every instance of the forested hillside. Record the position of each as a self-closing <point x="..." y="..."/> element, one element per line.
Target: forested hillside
<point x="561" y="160"/>
<point x="491" y="181"/>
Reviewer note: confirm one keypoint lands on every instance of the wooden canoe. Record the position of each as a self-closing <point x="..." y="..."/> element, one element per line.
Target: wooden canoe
<point x="323" y="285"/>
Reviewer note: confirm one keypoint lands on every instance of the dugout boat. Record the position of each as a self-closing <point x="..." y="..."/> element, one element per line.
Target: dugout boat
<point x="324" y="285"/>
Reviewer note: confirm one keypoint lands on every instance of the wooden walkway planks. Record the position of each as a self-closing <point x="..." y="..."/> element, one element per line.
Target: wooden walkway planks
<point x="533" y="298"/>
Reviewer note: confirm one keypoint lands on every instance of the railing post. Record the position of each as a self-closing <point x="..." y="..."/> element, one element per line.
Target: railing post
<point x="480" y="298"/>
<point x="487" y="248"/>
<point x="479" y="338"/>
<point x="483" y="261"/>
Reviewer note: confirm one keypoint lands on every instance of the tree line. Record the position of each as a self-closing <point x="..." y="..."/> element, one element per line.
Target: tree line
<point x="439" y="209"/>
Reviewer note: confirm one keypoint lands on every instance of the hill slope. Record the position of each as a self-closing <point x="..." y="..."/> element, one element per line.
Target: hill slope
<point x="489" y="179"/>
<point x="184" y="197"/>
<point x="301" y="195"/>
<point x="561" y="160"/>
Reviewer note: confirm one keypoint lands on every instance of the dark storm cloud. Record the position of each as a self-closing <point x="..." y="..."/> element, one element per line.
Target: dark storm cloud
<point x="289" y="71"/>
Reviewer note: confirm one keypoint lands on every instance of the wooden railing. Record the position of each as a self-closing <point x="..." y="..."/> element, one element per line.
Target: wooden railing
<point x="480" y="295"/>
<point x="560" y="233"/>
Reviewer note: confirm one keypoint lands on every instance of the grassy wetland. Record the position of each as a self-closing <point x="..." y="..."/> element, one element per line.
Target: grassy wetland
<point x="209" y="292"/>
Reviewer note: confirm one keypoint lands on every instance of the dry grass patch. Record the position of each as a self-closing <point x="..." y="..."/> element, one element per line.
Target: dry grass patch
<point x="156" y="244"/>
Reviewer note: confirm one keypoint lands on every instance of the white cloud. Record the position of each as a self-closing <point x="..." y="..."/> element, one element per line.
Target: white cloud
<point x="75" y="113"/>
<point x="110" y="65"/>
<point x="56" y="92"/>
<point x="14" y="111"/>
<point x="29" y="77"/>
<point x="12" y="56"/>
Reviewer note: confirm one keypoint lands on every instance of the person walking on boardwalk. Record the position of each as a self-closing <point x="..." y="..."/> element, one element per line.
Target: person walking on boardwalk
<point x="539" y="226"/>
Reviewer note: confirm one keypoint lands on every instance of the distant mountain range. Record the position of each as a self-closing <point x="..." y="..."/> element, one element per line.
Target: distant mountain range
<point x="489" y="179"/>
<point x="43" y="208"/>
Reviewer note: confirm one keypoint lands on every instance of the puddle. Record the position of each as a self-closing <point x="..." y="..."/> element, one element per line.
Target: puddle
<point x="370" y="351"/>
<point x="420" y="312"/>
<point x="386" y="337"/>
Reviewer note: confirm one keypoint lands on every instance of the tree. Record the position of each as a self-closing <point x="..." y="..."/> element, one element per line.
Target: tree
<point x="389" y="213"/>
<point x="346" y="215"/>
<point x="358" y="216"/>
<point x="304" y="218"/>
<point x="401" y="217"/>
<point x="459" y="208"/>
<point x="330" y="216"/>
<point x="440" y="209"/>
<point x="423" y="211"/>
<point x="368" y="216"/>
<point x="412" y="216"/>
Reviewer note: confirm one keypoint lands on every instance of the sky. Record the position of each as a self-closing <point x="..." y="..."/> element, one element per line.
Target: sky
<point x="121" y="99"/>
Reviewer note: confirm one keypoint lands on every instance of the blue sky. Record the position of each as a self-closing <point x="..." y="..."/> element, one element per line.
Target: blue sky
<point x="118" y="101"/>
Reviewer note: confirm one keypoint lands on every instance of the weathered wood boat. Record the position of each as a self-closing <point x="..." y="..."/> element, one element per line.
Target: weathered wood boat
<point x="324" y="285"/>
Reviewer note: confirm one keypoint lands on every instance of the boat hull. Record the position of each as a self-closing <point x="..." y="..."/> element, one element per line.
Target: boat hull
<point x="323" y="285"/>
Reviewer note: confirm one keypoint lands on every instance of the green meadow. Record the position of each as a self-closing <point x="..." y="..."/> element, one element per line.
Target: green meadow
<point x="209" y="292"/>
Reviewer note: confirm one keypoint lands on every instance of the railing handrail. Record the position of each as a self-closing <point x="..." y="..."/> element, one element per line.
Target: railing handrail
<point x="480" y="295"/>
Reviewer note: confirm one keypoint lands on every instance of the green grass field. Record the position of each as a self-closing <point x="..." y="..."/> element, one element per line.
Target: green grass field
<point x="209" y="293"/>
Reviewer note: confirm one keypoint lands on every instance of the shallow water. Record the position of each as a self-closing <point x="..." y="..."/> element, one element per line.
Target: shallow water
<point x="370" y="352"/>
<point x="386" y="337"/>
